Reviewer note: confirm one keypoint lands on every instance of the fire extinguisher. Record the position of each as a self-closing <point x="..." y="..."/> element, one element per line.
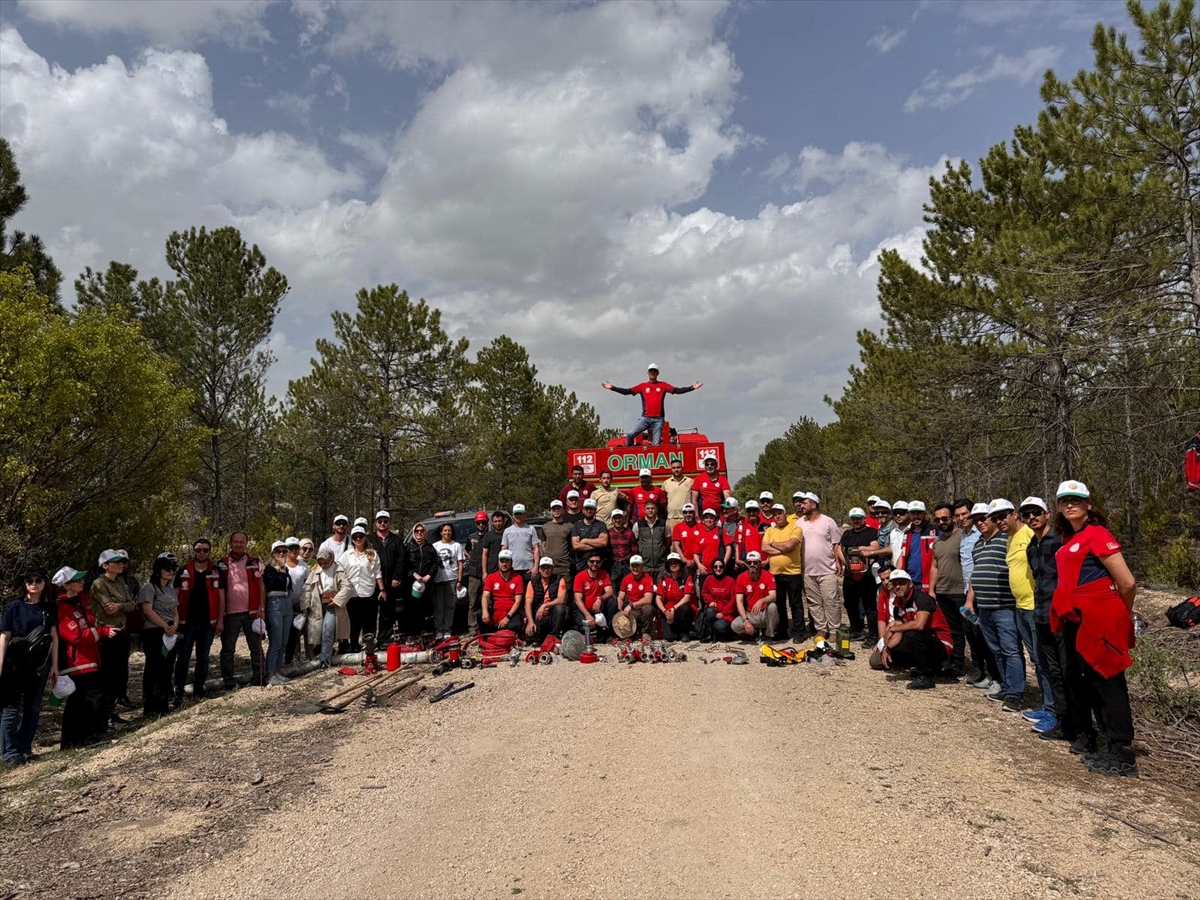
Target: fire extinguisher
<point x="393" y="656"/>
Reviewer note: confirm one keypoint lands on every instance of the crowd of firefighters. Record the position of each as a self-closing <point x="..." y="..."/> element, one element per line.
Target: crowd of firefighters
<point x="676" y="560"/>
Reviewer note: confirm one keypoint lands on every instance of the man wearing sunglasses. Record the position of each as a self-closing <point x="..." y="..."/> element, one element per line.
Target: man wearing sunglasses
<point x="947" y="586"/>
<point x="990" y="596"/>
<point x="390" y="550"/>
<point x="1048" y="721"/>
<point x="1020" y="579"/>
<point x="197" y="586"/>
<point x="337" y="543"/>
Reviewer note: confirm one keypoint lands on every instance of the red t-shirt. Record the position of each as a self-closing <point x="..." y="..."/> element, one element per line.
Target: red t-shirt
<point x="709" y="544"/>
<point x="748" y="538"/>
<point x="688" y="537"/>
<point x="584" y="492"/>
<point x="591" y="588"/>
<point x="711" y="491"/>
<point x="639" y="495"/>
<point x="672" y="592"/>
<point x="652" y="394"/>
<point x="754" y="589"/>
<point x="872" y="522"/>
<point x="506" y="592"/>
<point x="635" y="589"/>
<point x="720" y="592"/>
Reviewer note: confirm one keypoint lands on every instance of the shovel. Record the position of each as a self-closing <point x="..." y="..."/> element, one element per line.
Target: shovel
<point x="308" y="708"/>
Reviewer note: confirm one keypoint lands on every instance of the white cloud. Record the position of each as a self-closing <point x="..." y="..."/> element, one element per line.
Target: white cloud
<point x="530" y="194"/>
<point x="887" y="39"/>
<point x="943" y="91"/>
<point x="236" y="21"/>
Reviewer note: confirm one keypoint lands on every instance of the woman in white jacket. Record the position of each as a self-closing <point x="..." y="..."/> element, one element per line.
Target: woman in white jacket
<point x="326" y="593"/>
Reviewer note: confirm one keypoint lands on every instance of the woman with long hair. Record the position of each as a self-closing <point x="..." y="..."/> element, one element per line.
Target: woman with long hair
<point x="447" y="581"/>
<point x="85" y="715"/>
<point x="28" y="645"/>
<point x="676" y="599"/>
<point x="297" y="566"/>
<point x="1092" y="609"/>
<point x="277" y="583"/>
<point x="420" y="565"/>
<point x="159" y="604"/>
<point x="365" y="574"/>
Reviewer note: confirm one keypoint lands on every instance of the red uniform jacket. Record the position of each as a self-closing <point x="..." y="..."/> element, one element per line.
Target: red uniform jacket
<point x="186" y="584"/>
<point x="78" y="636"/>
<point x="254" y="572"/>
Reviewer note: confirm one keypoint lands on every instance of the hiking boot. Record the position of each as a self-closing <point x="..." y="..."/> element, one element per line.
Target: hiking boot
<point x="1113" y="763"/>
<point x="921" y="683"/>
<point x="1011" y="705"/>
<point x="125" y="702"/>
<point x="1052" y="734"/>
<point x="230" y="685"/>
<point x="983" y="682"/>
<point x="277" y="680"/>
<point x="1083" y="744"/>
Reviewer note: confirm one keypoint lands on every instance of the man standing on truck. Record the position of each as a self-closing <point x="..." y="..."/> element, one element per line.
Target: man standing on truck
<point x="652" y="392"/>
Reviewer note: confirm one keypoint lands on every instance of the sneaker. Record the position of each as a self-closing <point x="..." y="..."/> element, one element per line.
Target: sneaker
<point x="1052" y="734"/>
<point x="1113" y="763"/>
<point x="996" y="692"/>
<point x="982" y="682"/>
<point x="1011" y="705"/>
<point x="921" y="683"/>
<point x="1083" y="744"/>
<point x="1033" y="715"/>
<point x="230" y="685"/>
<point x="323" y="664"/>
<point x="277" y="680"/>
<point x="1048" y="723"/>
<point x="869" y="643"/>
<point x="116" y="719"/>
<point x="125" y="702"/>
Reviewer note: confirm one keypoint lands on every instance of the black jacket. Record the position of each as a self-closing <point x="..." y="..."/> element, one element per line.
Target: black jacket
<point x="420" y="559"/>
<point x="1045" y="573"/>
<point x="390" y="551"/>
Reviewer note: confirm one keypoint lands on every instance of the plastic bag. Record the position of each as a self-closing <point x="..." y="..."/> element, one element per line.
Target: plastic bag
<point x="259" y="627"/>
<point x="169" y="643"/>
<point x="63" y="687"/>
<point x="298" y="621"/>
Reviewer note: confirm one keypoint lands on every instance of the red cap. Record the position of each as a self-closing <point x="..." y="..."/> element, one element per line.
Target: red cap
<point x="481" y="516"/>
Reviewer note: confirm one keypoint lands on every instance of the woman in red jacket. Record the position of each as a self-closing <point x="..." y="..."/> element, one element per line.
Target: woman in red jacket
<point x="718" y="602"/>
<point x="85" y="716"/>
<point x="1092" y="609"/>
<point x="676" y="599"/>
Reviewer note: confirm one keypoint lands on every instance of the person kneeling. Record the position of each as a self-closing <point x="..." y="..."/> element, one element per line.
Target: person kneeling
<point x="595" y="604"/>
<point x="501" y="597"/>
<point x="637" y="595"/>
<point x="545" y="603"/>
<point x="676" y="599"/>
<point x="719" y="604"/>
<point x="757" y="612"/>
<point x="918" y="635"/>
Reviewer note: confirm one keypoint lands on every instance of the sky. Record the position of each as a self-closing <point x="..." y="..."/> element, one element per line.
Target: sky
<point x="703" y="185"/>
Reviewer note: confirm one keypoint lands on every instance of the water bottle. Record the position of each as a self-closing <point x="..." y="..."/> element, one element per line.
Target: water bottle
<point x="969" y="615"/>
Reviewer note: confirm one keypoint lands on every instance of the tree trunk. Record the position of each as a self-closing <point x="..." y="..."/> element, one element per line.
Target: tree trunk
<point x="1066" y="447"/>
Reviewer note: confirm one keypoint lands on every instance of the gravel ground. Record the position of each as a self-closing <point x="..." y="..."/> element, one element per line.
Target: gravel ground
<point x="598" y="781"/>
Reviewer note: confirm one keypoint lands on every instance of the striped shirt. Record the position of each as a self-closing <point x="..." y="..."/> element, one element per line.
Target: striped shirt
<point x="989" y="574"/>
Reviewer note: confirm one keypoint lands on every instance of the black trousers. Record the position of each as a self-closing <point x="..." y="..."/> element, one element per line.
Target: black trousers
<point x="389" y="606"/>
<point x="554" y="622"/>
<point x="713" y="627"/>
<point x="949" y="604"/>
<point x="789" y="596"/>
<point x="608" y="607"/>
<point x="858" y="596"/>
<point x="1090" y="694"/>
<point x="363" y="612"/>
<point x="85" y="715"/>
<point x="158" y="675"/>
<point x="920" y="650"/>
<point x="1051" y="654"/>
<point x="199" y="637"/>
<point x="677" y="631"/>
<point x="981" y="654"/>
<point x="114" y="669"/>
<point x="235" y="624"/>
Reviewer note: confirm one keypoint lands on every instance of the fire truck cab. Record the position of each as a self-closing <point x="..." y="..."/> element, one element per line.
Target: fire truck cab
<point x="692" y="449"/>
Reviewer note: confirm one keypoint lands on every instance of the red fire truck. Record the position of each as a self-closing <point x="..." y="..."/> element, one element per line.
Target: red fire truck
<point x="692" y="449"/>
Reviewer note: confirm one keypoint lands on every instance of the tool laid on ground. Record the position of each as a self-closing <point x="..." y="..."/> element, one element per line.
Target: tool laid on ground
<point x="784" y="656"/>
<point x="338" y="701"/>
<point x="450" y="690"/>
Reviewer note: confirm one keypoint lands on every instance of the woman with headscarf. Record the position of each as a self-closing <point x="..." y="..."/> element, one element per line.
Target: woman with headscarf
<point x="28" y="642"/>
<point x="85" y="715"/>
<point x="1092" y="609"/>
<point x="326" y="593"/>
<point x="718" y="603"/>
<point x="160" y="613"/>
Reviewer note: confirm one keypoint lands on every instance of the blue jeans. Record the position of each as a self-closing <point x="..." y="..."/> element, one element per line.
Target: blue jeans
<point x="19" y="721"/>
<point x="999" y="628"/>
<point x="1028" y="630"/>
<point x="654" y="423"/>
<point x="279" y="623"/>
<point x="328" y="633"/>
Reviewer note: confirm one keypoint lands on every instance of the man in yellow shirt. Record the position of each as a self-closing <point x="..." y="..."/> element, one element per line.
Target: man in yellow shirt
<point x="678" y="489"/>
<point x="783" y="545"/>
<point x="606" y="497"/>
<point x="1021" y="582"/>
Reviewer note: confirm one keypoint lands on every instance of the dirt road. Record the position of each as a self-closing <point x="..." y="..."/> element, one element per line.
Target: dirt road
<point x="683" y="780"/>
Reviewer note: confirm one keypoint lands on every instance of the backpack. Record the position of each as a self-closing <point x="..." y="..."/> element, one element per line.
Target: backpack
<point x="1185" y="614"/>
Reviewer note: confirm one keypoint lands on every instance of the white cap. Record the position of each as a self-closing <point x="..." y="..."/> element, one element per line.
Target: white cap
<point x="340" y="518"/>
<point x="731" y="503"/>
<point x="800" y="495"/>
<point x="899" y="575"/>
<point x="766" y="494"/>
<point x="357" y="529"/>
<point x="813" y="497"/>
<point x="554" y="503"/>
<point x="916" y="506"/>
<point x="709" y="512"/>
<point x="65" y="574"/>
<point x="571" y="494"/>
<point x="505" y="554"/>
<point x="753" y="556"/>
<point x="418" y="587"/>
<point x="901" y="506"/>
<point x="857" y="513"/>
<point x="601" y="620"/>
<point x="689" y="507"/>
<point x="617" y="511"/>
<point x="545" y="561"/>
<point x="280" y="545"/>
<point x="109" y="555"/>
<point x="361" y="520"/>
<point x="872" y="499"/>
<point x="751" y="504"/>
<point x="1000" y="505"/>
<point x="644" y="473"/>
<point x="382" y="514"/>
<point x="673" y="557"/>
<point x="520" y="507"/>
<point x="1034" y="501"/>
<point x="636" y="560"/>
<point x="980" y="509"/>
<point x="589" y="503"/>
<point x="778" y="507"/>
<point x="293" y="541"/>
<point x="1073" y="489"/>
<point x="653" y="366"/>
<point x="878" y="503"/>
